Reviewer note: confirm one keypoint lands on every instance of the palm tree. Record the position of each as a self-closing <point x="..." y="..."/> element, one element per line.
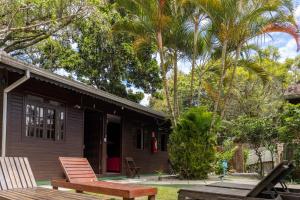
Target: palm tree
<point x="148" y="21"/>
<point x="235" y="22"/>
<point x="176" y="41"/>
<point x="254" y="19"/>
<point x="221" y="14"/>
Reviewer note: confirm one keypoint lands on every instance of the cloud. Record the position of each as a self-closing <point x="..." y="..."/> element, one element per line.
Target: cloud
<point x="297" y="12"/>
<point x="146" y="99"/>
<point x="288" y="50"/>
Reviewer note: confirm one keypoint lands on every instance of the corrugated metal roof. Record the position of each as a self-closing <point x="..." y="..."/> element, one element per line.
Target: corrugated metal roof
<point x="292" y="92"/>
<point x="75" y="85"/>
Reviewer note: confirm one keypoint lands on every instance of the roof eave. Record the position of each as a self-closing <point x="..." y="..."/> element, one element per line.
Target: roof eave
<point x="8" y="60"/>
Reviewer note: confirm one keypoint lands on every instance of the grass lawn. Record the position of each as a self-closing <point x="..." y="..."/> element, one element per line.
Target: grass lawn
<point x="164" y="193"/>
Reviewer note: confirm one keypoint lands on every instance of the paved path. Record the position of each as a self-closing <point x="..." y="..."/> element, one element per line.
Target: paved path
<point x="153" y="180"/>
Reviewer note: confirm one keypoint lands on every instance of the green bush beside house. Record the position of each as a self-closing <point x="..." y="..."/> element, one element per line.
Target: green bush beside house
<point x="192" y="145"/>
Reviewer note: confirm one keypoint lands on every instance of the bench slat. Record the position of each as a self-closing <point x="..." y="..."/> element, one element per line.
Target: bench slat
<point x="25" y="172"/>
<point x="2" y="180"/>
<point x="29" y="170"/>
<point x="20" y="172"/>
<point x="6" y="175"/>
<point x="77" y="169"/>
<point x="10" y="173"/>
<point x="15" y="172"/>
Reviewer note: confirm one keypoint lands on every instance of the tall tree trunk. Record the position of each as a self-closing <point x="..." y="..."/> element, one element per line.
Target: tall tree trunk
<point x="261" y="166"/>
<point x="195" y="52"/>
<point x="164" y="76"/>
<point x="237" y="57"/>
<point x="260" y="162"/>
<point x="200" y="84"/>
<point x="162" y="63"/>
<point x="272" y="158"/>
<point x="175" y="86"/>
<point x="221" y="83"/>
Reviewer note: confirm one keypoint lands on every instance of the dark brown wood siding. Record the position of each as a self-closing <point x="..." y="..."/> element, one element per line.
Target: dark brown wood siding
<point x="43" y="154"/>
<point x="149" y="162"/>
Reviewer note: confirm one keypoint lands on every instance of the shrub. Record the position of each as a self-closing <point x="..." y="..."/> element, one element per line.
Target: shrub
<point x="289" y="132"/>
<point x="227" y="153"/>
<point x="257" y="132"/>
<point x="192" y="145"/>
<point x="290" y="124"/>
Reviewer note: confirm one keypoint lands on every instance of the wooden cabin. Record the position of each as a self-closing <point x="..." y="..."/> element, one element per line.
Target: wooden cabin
<point x="45" y="116"/>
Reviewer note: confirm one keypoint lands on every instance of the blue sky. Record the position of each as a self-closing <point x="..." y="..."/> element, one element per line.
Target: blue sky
<point x="286" y="44"/>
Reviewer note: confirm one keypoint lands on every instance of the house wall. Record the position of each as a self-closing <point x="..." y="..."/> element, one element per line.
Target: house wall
<point x="131" y="122"/>
<point x="43" y="154"/>
<point x="147" y="161"/>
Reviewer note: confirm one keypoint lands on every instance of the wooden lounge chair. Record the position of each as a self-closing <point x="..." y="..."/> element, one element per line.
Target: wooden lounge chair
<point x="81" y="177"/>
<point x="265" y="189"/>
<point x="17" y="183"/>
<point x="132" y="169"/>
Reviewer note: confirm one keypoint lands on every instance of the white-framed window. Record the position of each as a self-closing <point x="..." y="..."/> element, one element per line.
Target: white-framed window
<point x="44" y="120"/>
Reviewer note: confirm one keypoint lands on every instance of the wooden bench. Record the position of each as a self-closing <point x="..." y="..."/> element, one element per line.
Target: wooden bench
<point x="81" y="177"/>
<point x="18" y="183"/>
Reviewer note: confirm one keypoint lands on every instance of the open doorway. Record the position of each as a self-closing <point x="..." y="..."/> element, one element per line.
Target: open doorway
<point x="93" y="129"/>
<point x="113" y="146"/>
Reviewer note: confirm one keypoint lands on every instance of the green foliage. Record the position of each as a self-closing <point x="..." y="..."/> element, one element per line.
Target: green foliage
<point x="96" y="55"/>
<point x="192" y="144"/>
<point x="24" y="23"/>
<point x="227" y="153"/>
<point x="290" y="124"/>
<point x="246" y="153"/>
<point x="258" y="132"/>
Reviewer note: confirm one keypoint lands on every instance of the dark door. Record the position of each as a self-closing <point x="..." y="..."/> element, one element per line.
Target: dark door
<point x="93" y="128"/>
<point x="113" y="150"/>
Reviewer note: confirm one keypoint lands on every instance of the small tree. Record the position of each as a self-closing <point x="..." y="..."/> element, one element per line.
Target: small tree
<point x="290" y="128"/>
<point x="251" y="130"/>
<point x="271" y="138"/>
<point x="226" y="154"/>
<point x="192" y="144"/>
<point x="290" y="124"/>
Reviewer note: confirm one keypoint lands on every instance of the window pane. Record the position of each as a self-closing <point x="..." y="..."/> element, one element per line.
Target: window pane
<point x="26" y="131"/>
<point x="48" y="134"/>
<point x="41" y="112"/>
<point x="31" y="132"/>
<point x="27" y="109"/>
<point x="42" y="122"/>
<point x="61" y="126"/>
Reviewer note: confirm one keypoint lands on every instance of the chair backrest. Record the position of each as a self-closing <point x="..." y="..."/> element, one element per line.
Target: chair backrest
<point x="77" y="169"/>
<point x="277" y="175"/>
<point x="130" y="163"/>
<point x="15" y="172"/>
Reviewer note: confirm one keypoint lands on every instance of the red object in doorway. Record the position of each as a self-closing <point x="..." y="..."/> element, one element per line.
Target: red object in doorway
<point x="113" y="164"/>
<point x="154" y="148"/>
